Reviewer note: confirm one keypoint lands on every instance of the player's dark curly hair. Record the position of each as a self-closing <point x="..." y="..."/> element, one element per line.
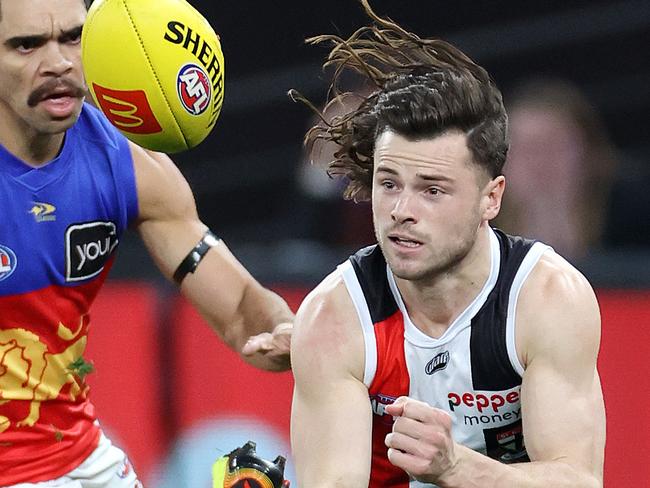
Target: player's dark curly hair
<point x="421" y="88"/>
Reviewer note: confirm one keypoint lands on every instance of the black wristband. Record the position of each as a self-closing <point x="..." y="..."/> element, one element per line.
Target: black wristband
<point x="192" y="260"/>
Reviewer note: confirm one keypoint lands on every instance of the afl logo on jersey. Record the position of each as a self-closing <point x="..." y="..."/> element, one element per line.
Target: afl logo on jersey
<point x="8" y="262"/>
<point x="194" y="89"/>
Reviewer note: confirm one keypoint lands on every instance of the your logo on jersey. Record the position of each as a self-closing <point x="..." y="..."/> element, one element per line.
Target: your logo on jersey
<point x="8" y="262"/>
<point x="438" y="363"/>
<point x="43" y="212"/>
<point x="194" y="89"/>
<point x="87" y="248"/>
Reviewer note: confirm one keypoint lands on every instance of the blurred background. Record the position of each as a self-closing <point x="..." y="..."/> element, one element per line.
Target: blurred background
<point x="575" y="78"/>
<point x="249" y="176"/>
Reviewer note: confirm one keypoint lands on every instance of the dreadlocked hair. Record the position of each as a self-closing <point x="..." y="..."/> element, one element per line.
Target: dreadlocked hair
<point x="420" y="88"/>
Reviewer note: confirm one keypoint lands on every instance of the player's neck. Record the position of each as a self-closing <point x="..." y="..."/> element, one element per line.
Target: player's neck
<point x="433" y="304"/>
<point x="33" y="148"/>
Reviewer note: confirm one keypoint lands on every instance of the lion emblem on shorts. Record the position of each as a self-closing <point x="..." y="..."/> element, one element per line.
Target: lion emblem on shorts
<point x="28" y="371"/>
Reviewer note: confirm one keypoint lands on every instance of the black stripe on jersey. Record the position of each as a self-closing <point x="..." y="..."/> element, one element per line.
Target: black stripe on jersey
<point x="491" y="367"/>
<point x="370" y="267"/>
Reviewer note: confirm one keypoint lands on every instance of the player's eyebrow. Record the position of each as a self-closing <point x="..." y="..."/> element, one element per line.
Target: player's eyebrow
<point x="70" y="34"/>
<point x="33" y="40"/>
<point x="40" y="39"/>
<point x="427" y="177"/>
<point x="384" y="169"/>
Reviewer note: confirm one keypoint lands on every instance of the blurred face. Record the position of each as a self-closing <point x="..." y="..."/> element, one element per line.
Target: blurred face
<point x="41" y="80"/>
<point x="428" y="202"/>
<point x="546" y="175"/>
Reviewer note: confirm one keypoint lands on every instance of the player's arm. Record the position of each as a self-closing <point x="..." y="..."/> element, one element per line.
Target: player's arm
<point x="331" y="416"/>
<point x="230" y="299"/>
<point x="558" y="334"/>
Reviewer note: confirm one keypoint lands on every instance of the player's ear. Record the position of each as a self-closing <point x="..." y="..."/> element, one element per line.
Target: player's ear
<point x="492" y="196"/>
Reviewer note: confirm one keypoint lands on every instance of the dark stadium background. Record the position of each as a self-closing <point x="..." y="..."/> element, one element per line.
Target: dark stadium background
<point x="244" y="174"/>
<point x="245" y="181"/>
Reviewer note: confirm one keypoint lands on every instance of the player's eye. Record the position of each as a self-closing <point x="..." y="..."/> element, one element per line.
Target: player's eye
<point x="27" y="46"/>
<point x="388" y="184"/>
<point x="74" y="40"/>
<point x="72" y="37"/>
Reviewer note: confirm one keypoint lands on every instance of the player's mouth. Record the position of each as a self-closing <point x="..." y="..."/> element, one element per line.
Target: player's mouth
<point x="60" y="105"/>
<point x="58" y="96"/>
<point x="404" y="241"/>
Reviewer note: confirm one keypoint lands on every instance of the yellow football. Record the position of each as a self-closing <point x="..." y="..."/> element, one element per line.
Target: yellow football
<point x="155" y="69"/>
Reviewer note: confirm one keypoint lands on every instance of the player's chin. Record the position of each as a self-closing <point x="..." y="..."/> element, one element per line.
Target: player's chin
<point x="405" y="269"/>
<point x="54" y="122"/>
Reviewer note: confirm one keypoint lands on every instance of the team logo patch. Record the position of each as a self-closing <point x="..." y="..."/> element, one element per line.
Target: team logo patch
<point x="506" y="443"/>
<point x="378" y="403"/>
<point x="87" y="248"/>
<point x="438" y="363"/>
<point x="8" y="262"/>
<point x="43" y="212"/>
<point x="194" y="89"/>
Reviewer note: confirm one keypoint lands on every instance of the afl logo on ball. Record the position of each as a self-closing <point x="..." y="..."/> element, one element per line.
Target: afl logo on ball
<point x="8" y="262"/>
<point x="194" y="89"/>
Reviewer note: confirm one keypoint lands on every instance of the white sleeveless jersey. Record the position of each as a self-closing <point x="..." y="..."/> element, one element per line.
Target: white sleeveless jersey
<point x="472" y="371"/>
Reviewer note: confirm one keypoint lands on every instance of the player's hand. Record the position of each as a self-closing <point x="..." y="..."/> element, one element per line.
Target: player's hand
<point x="421" y="442"/>
<point x="273" y="346"/>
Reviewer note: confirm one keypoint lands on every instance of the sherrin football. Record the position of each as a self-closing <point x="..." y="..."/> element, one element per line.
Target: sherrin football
<point x="155" y="69"/>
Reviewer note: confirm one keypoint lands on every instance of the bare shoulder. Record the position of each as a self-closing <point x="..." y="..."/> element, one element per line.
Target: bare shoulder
<point x="327" y="331"/>
<point x="163" y="192"/>
<point x="557" y="309"/>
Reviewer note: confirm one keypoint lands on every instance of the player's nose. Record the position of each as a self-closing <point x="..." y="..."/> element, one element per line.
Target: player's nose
<point x="57" y="60"/>
<point x="403" y="209"/>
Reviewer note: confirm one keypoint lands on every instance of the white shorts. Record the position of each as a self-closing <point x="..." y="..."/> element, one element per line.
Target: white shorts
<point x="106" y="467"/>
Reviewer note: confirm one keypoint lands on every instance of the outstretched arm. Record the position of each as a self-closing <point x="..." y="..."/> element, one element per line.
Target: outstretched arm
<point x="248" y="317"/>
<point x="331" y="416"/>
<point x="562" y="406"/>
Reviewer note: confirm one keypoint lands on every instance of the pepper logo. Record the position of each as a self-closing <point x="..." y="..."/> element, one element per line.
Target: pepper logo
<point x="128" y="110"/>
<point x="43" y="212"/>
<point x="194" y="89"/>
<point x="8" y="262"/>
